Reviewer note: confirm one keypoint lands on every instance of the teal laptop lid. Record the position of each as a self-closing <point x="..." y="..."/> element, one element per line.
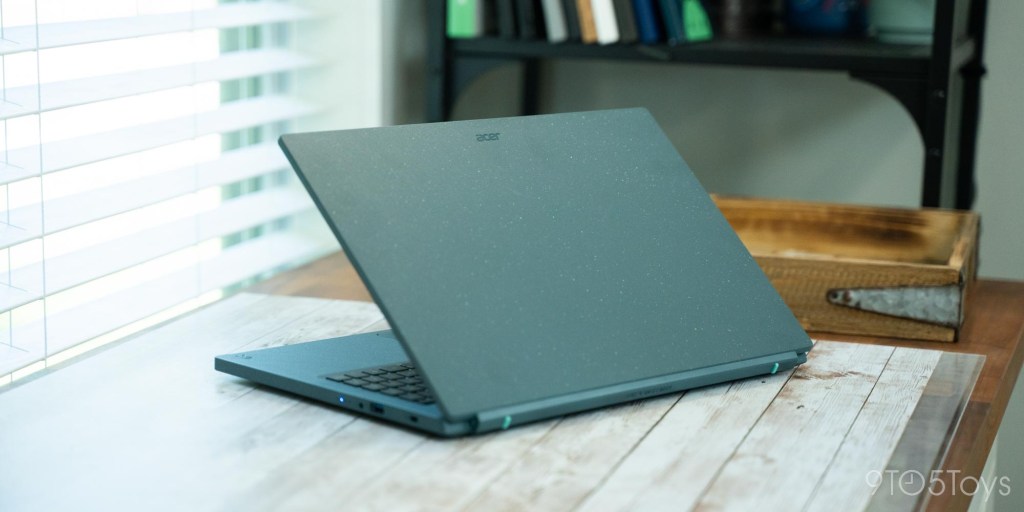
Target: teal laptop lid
<point x="527" y="258"/>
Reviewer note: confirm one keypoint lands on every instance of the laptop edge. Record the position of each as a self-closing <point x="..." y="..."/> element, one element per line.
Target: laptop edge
<point x="252" y="366"/>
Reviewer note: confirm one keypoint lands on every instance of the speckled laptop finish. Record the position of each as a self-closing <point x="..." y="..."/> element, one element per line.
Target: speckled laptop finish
<point x="536" y="266"/>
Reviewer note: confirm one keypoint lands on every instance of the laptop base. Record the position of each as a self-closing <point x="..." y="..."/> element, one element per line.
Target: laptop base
<point x="303" y="369"/>
<point x="307" y="368"/>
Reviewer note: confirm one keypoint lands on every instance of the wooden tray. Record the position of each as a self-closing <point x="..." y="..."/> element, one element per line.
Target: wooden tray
<point x="863" y="270"/>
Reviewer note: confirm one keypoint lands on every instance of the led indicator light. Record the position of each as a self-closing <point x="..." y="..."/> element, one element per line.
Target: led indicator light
<point x="341" y="399"/>
<point x="505" y="424"/>
<point x="775" y="368"/>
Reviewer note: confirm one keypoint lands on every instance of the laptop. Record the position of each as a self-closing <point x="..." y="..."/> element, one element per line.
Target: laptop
<point x="529" y="267"/>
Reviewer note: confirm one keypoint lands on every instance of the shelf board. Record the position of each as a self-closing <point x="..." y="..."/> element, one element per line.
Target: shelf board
<point x="837" y="54"/>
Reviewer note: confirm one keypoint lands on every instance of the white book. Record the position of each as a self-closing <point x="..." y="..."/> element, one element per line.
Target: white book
<point x="604" y="20"/>
<point x="554" y="20"/>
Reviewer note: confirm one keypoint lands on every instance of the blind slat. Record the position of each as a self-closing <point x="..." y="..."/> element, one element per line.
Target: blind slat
<point x="20" y="225"/>
<point x="68" y="153"/>
<point x="12" y="297"/>
<point x="137" y="218"/>
<point x="25" y="100"/>
<point x="242" y="163"/>
<point x="55" y="35"/>
<point x="260" y="255"/>
<point x="101" y="316"/>
<point x="235" y="264"/>
<point x="92" y="205"/>
<point x="67" y="271"/>
<point x="13" y="358"/>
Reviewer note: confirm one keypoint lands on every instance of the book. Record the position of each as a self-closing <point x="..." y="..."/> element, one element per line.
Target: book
<point x="572" y="19"/>
<point x="465" y="18"/>
<point x="604" y="21"/>
<point x="554" y="20"/>
<point x="672" y="17"/>
<point x="526" y="19"/>
<point x="696" y="24"/>
<point x="626" y="20"/>
<point x="647" y="25"/>
<point x="486" y="15"/>
<point x="505" y="18"/>
<point x="588" y="32"/>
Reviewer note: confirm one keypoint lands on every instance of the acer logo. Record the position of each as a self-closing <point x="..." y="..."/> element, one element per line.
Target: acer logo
<point x="484" y="137"/>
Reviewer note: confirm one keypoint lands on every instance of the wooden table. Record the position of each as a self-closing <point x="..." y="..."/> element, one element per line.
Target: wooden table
<point x="994" y="329"/>
<point x="147" y="424"/>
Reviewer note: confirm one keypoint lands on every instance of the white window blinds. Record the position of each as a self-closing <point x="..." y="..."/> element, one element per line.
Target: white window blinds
<point x="139" y="171"/>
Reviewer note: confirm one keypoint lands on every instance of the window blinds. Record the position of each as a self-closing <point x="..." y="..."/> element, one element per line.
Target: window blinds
<point x="139" y="171"/>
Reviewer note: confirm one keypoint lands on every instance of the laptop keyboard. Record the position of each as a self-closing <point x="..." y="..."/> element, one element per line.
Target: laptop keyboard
<point x="397" y="380"/>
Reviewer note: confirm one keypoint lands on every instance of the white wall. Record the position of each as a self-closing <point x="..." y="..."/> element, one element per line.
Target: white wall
<point x="1001" y="192"/>
<point x="1001" y="146"/>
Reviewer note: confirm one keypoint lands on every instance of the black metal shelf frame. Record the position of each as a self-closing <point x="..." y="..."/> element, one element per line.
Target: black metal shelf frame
<point x="938" y="85"/>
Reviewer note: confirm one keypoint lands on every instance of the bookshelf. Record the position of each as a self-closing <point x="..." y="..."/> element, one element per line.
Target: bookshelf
<point x="937" y="84"/>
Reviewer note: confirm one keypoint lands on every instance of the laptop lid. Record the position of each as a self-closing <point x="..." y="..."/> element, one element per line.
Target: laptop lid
<point x="525" y="258"/>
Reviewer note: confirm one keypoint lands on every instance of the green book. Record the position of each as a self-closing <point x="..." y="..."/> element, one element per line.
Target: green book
<point x="696" y="25"/>
<point x="464" y="18"/>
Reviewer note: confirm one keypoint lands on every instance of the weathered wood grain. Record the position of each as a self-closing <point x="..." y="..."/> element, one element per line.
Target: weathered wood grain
<point x="573" y="458"/>
<point x="923" y="444"/>
<point x="874" y="434"/>
<point x="915" y="236"/>
<point x="994" y="327"/>
<point x="789" y="448"/>
<point x="808" y="248"/>
<point x="804" y="284"/>
<point x="673" y="465"/>
<point x="148" y="424"/>
<point x="330" y="474"/>
<point x="447" y="474"/>
<point x="150" y="417"/>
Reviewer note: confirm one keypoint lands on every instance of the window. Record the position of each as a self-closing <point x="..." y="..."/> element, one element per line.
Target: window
<point x="139" y="170"/>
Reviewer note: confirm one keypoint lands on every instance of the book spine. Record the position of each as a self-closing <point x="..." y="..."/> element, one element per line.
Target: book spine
<point x="554" y="20"/>
<point x="696" y="23"/>
<point x="486" y="17"/>
<point x="587" y="29"/>
<point x="672" y="16"/>
<point x="572" y="19"/>
<point x="464" y="19"/>
<point x="526" y="18"/>
<point x="604" y="21"/>
<point x="648" y="28"/>
<point x="626" y="20"/>
<point x="505" y="13"/>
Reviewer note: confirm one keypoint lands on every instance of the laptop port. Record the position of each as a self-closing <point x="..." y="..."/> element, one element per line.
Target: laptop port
<point x="377" y="408"/>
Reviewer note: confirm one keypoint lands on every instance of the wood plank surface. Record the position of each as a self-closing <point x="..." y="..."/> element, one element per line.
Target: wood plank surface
<point x="994" y="328"/>
<point x="145" y="418"/>
<point x="573" y="458"/>
<point x="875" y="432"/>
<point x="707" y="425"/>
<point x="147" y="424"/>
